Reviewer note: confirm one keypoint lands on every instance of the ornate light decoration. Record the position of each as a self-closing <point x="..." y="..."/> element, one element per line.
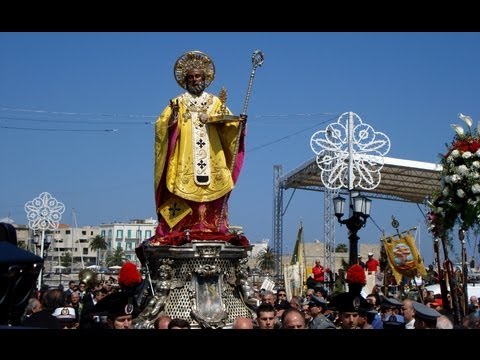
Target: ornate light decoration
<point x="350" y="153"/>
<point x="44" y="212"/>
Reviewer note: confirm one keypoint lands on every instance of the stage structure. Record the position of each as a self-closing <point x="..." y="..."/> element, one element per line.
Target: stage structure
<point x="401" y="180"/>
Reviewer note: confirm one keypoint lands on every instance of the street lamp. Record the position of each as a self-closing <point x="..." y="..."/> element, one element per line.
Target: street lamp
<point x="42" y="243"/>
<point x="359" y="212"/>
<point x="47" y="241"/>
<point x="36" y="242"/>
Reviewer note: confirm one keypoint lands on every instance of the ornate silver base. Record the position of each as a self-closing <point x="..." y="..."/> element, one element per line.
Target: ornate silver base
<point x="203" y="282"/>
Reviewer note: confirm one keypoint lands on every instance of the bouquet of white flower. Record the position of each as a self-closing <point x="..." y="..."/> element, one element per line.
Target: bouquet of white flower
<point x="459" y="198"/>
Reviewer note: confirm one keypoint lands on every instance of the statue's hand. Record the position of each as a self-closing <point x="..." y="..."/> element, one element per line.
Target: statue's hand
<point x="175" y="108"/>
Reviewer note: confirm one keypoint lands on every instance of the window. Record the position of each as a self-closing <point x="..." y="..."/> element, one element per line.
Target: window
<point x="148" y="234"/>
<point x="119" y="234"/>
<point x="129" y="234"/>
<point x="103" y="233"/>
<point x="139" y="234"/>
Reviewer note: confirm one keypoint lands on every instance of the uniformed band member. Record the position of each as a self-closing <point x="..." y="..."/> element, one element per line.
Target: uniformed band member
<point x="66" y="316"/>
<point x="425" y="316"/>
<point x="391" y="318"/>
<point x="119" y="310"/>
<point x="316" y="307"/>
<point x="349" y="306"/>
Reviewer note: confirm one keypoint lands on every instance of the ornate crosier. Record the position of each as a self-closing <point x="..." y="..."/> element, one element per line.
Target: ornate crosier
<point x="458" y="200"/>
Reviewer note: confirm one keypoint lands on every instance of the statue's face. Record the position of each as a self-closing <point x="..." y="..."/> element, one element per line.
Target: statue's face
<point x="195" y="81"/>
<point x="164" y="272"/>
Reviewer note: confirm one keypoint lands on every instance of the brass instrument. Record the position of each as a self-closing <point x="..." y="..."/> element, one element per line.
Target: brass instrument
<point x="89" y="277"/>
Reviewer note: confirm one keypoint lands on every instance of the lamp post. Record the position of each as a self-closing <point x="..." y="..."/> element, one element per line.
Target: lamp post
<point x="359" y="212"/>
<point x="42" y="244"/>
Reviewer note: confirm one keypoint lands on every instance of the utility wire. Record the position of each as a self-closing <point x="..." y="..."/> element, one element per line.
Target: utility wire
<point x="95" y="122"/>
<point x="289" y="136"/>
<point x="73" y="113"/>
<point x="378" y="227"/>
<point x="76" y="121"/>
<point x="58" y="130"/>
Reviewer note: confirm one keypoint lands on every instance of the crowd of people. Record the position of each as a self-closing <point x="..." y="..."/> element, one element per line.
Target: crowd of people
<point x="110" y="305"/>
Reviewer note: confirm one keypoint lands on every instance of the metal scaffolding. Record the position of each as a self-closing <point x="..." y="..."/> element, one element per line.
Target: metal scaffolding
<point x="278" y="219"/>
<point x="402" y="180"/>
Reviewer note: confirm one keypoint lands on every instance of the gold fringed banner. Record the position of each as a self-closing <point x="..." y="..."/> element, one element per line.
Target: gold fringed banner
<point x="403" y="257"/>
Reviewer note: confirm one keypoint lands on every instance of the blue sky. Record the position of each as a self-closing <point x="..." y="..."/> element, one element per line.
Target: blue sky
<point x="410" y="86"/>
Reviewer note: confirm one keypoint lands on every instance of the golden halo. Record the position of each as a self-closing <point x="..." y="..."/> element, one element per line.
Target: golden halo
<point x="194" y="60"/>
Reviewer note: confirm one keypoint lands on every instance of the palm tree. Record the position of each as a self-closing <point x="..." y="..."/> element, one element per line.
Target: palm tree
<point x="98" y="243"/>
<point x="66" y="259"/>
<point x="117" y="258"/>
<point x="341" y="248"/>
<point x="266" y="259"/>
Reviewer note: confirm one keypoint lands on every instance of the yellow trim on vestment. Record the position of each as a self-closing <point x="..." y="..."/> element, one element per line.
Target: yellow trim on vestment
<point x="179" y="167"/>
<point x="174" y="210"/>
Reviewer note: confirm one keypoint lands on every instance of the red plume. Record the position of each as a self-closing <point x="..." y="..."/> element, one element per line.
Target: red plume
<point x="129" y="275"/>
<point x="356" y="275"/>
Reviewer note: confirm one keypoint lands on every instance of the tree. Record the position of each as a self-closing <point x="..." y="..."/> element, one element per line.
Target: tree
<point x="266" y="259"/>
<point x="117" y="258"/>
<point x="66" y="259"/>
<point x="98" y="243"/>
<point x="341" y="248"/>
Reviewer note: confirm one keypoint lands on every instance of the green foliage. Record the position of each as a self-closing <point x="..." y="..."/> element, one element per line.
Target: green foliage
<point x="66" y="259"/>
<point x="266" y="259"/>
<point x="117" y="258"/>
<point x="341" y="248"/>
<point x="98" y="243"/>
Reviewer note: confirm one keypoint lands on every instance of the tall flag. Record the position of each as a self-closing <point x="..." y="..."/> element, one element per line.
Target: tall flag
<point x="294" y="274"/>
<point x="297" y="250"/>
<point x="403" y="257"/>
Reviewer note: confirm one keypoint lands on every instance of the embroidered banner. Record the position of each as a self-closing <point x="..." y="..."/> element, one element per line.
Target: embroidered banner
<point x="403" y="257"/>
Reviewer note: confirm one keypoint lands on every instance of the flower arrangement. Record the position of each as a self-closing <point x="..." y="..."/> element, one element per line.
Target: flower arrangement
<point x="458" y="201"/>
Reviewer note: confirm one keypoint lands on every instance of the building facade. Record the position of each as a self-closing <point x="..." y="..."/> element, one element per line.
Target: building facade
<point x="126" y="236"/>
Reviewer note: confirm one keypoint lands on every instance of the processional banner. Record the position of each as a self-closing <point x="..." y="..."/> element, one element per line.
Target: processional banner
<point x="403" y="256"/>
